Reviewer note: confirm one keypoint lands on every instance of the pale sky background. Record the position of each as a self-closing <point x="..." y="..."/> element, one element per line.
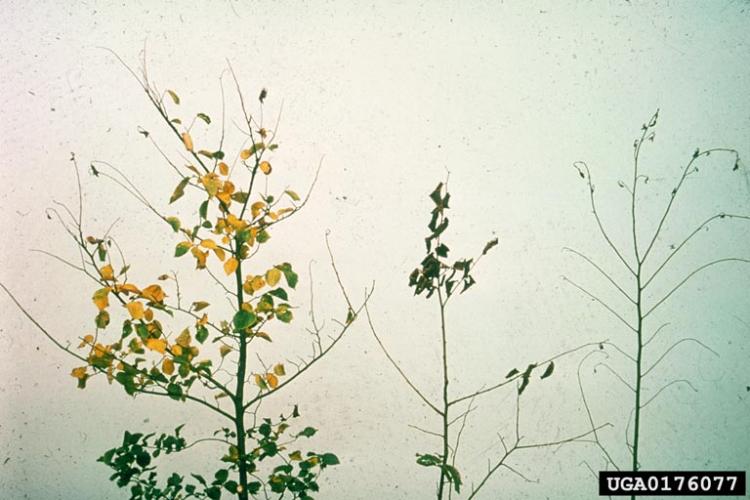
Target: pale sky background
<point x="505" y="96"/>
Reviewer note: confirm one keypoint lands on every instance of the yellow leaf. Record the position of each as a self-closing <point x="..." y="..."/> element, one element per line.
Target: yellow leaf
<point x="256" y="207"/>
<point x="257" y="283"/>
<point x="223" y="168"/>
<point x="135" y="309"/>
<point x="107" y="273"/>
<point x="224" y="350"/>
<point x="273" y="276"/>
<point x="158" y="345"/>
<point x="176" y="350"/>
<point x="79" y="373"/>
<point x="279" y="370"/>
<point x="154" y="293"/>
<point x="203" y="321"/>
<point x="208" y="244"/>
<point x="294" y="196"/>
<point x="212" y="183"/>
<point x="265" y="167"/>
<point x="230" y="265"/>
<point x="167" y="366"/>
<point x="264" y="336"/>
<point x="245" y="154"/>
<point x="87" y="340"/>
<point x="148" y="314"/>
<point x="183" y="340"/>
<point x="219" y="253"/>
<point x="188" y="141"/>
<point x="127" y="288"/>
<point x="272" y="380"/>
<point x="101" y="298"/>
<point x="295" y="456"/>
<point x="200" y="257"/>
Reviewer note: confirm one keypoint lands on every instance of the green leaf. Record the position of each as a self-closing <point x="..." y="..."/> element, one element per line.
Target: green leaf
<point x="201" y="334"/>
<point x="214" y="493"/>
<point x="280" y="293"/>
<point x="239" y="196"/>
<point x="221" y="476"/>
<point x="549" y="370"/>
<point x="263" y="236"/>
<point x="428" y="460"/>
<point x="204" y="117"/>
<point x="102" y="319"/>
<point x="329" y="459"/>
<point x="174" y="96"/>
<point x="243" y="319"/>
<point x="512" y="373"/>
<point x="290" y="276"/>
<point x="203" y="210"/>
<point x="174" y="222"/>
<point x="174" y="391"/>
<point x="453" y="476"/>
<point x="294" y="196"/>
<point x="181" y="248"/>
<point x="308" y="432"/>
<point x="179" y="190"/>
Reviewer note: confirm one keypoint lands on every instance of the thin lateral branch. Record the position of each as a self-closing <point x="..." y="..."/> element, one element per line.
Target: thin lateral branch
<point x="620" y="350"/>
<point x="520" y="374"/>
<point x="655" y="333"/>
<point x="686" y="171"/>
<point x="604" y="273"/>
<point x="397" y="367"/>
<point x="39" y="326"/>
<point x="696" y="271"/>
<point x="680" y="381"/>
<point x="684" y="242"/>
<point x="66" y="262"/>
<point x="430" y="433"/>
<point x="581" y="166"/>
<point x="588" y="411"/>
<point x="562" y="441"/>
<point x="191" y="398"/>
<point x="613" y="372"/>
<point x="606" y="306"/>
<point x="689" y="339"/>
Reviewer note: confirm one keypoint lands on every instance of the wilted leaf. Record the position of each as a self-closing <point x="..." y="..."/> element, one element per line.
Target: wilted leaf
<point x="107" y="273"/>
<point x="154" y="293"/>
<point x="179" y="190"/>
<point x="200" y="305"/>
<point x="549" y="370"/>
<point x="223" y="168"/>
<point x="183" y="339"/>
<point x="174" y="96"/>
<point x="279" y="370"/>
<point x="188" y="141"/>
<point x="265" y="167"/>
<point x="489" y="245"/>
<point x="294" y="196"/>
<point x="224" y="350"/>
<point x="204" y="117"/>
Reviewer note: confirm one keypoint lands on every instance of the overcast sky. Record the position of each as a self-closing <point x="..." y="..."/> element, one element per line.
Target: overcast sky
<point x="392" y="96"/>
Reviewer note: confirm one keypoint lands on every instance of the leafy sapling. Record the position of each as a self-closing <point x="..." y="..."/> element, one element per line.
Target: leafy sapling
<point x="150" y="339"/>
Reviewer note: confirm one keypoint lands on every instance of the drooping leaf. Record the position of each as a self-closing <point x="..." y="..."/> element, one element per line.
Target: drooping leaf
<point x="549" y="370"/>
<point x="294" y="196"/>
<point x="174" y="96"/>
<point x="179" y="190"/>
<point x="489" y="246"/>
<point x="200" y="305"/>
<point x="204" y="117"/>
<point x="188" y="141"/>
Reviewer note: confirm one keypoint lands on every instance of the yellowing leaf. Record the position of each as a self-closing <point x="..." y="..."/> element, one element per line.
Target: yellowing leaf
<point x="158" y="345"/>
<point x="224" y="350"/>
<point x="230" y="265"/>
<point x="208" y="243"/>
<point x="264" y="336"/>
<point x="167" y="366"/>
<point x="154" y="293"/>
<point x="176" y="350"/>
<point x="101" y="298"/>
<point x="79" y="373"/>
<point x="197" y="306"/>
<point x="256" y="208"/>
<point x="272" y="380"/>
<point x="295" y="456"/>
<point x="292" y="195"/>
<point x="257" y="283"/>
<point x="279" y="370"/>
<point x="203" y="321"/>
<point x="265" y="167"/>
<point x="273" y="276"/>
<point x="148" y="314"/>
<point x="174" y="96"/>
<point x="87" y="340"/>
<point x="200" y="258"/>
<point x="223" y="168"/>
<point x="219" y="253"/>
<point x="107" y="273"/>
<point x="188" y="141"/>
<point x="183" y="340"/>
<point x="135" y="309"/>
<point x="179" y="190"/>
<point x="212" y="183"/>
<point x="127" y="288"/>
<point x="260" y="382"/>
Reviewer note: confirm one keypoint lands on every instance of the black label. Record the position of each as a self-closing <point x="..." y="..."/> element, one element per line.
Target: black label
<point x="671" y="483"/>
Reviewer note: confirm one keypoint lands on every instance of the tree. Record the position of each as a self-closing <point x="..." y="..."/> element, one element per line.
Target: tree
<point x="151" y="340"/>
<point x="442" y="280"/>
<point x="643" y="267"/>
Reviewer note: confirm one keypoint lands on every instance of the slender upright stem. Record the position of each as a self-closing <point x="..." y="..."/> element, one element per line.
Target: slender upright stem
<point x="239" y="403"/>
<point x="441" y="487"/>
